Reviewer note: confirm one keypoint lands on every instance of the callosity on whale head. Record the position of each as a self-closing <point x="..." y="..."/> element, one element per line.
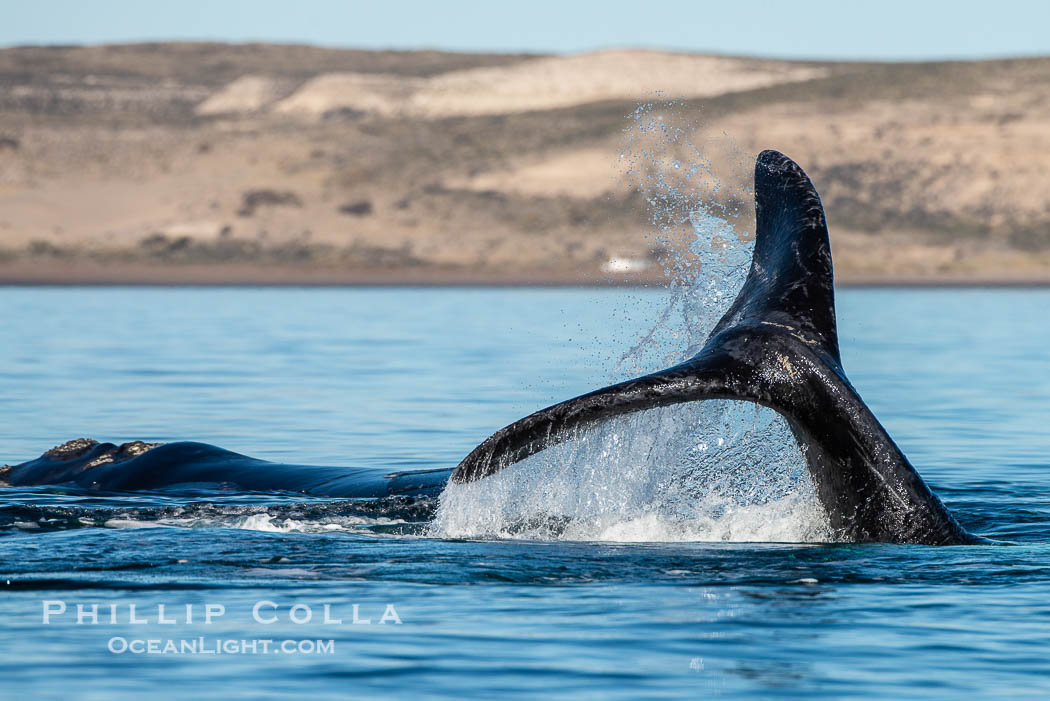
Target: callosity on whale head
<point x="777" y="346"/>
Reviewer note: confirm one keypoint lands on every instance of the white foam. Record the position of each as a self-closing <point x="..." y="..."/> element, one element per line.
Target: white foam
<point x="269" y="523"/>
<point x="293" y="572"/>
<point x="705" y="471"/>
<point x="131" y="523"/>
<point x="263" y="522"/>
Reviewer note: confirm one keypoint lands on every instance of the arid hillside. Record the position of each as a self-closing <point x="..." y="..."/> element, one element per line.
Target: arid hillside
<point x="275" y="163"/>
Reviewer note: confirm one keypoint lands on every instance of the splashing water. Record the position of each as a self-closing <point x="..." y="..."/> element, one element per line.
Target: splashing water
<point x="697" y="187"/>
<point x="673" y="473"/>
<point x="712" y="470"/>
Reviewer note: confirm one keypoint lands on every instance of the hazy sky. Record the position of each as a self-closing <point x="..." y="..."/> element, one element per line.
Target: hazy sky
<point x="891" y="29"/>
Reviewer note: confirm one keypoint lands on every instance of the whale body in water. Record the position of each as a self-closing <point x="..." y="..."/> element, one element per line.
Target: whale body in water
<point x="776" y="346"/>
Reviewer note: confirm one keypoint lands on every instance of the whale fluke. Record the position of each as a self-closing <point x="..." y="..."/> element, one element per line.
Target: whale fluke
<point x="777" y="346"/>
<point x="791" y="281"/>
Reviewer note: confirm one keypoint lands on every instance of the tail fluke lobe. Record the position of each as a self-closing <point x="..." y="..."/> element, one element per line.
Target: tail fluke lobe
<point x="791" y="282"/>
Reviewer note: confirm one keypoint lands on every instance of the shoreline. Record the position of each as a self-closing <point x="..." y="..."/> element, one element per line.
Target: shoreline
<point x="90" y="274"/>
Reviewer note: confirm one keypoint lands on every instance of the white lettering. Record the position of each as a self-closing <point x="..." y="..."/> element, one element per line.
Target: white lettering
<point x="53" y="607"/>
<point x="258" y="618"/>
<point x="390" y="615"/>
<point x="87" y="612"/>
<point x="160" y="616"/>
<point x="213" y="611"/>
<point x="300" y="619"/>
<point x="132" y="619"/>
<point x="328" y="620"/>
<point x="358" y="620"/>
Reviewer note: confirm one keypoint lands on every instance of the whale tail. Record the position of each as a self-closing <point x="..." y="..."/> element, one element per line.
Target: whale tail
<point x="791" y="281"/>
<point x="777" y="346"/>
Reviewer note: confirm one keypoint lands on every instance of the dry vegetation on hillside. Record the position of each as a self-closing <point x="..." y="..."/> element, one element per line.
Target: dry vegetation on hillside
<point x="211" y="162"/>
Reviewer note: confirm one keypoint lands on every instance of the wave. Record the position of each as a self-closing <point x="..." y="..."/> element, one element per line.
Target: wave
<point x="394" y="516"/>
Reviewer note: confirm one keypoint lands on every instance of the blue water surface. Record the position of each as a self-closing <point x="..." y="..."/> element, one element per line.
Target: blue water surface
<point x="414" y="378"/>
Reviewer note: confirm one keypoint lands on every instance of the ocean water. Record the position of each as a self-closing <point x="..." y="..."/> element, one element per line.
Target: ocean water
<point x="660" y="577"/>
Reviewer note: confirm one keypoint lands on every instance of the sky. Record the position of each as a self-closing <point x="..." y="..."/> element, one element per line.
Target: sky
<point x="839" y="29"/>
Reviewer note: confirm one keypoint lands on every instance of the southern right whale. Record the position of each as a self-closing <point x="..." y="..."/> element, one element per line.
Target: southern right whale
<point x="777" y="346"/>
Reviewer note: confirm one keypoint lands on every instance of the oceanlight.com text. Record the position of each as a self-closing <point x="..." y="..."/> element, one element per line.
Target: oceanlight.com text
<point x="120" y="645"/>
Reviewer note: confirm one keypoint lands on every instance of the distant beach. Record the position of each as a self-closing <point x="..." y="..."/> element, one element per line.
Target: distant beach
<point x="219" y="275"/>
